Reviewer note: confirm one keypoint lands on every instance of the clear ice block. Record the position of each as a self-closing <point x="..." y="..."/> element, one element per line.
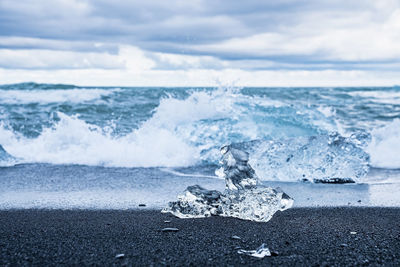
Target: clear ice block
<point x="244" y="197"/>
<point x="315" y="158"/>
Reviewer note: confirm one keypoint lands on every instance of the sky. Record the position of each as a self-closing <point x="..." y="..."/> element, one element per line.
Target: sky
<point x="201" y="42"/>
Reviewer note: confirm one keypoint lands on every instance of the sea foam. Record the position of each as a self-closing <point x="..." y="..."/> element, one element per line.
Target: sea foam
<point x="73" y="141"/>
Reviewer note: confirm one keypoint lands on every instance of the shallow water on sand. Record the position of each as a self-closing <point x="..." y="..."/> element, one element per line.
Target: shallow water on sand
<point x="92" y="187"/>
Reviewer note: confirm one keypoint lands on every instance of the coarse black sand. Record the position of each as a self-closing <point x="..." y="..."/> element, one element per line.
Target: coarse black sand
<point x="299" y="236"/>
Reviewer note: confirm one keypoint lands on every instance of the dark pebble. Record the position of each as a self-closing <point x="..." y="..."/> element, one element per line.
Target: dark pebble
<point x="274" y="253"/>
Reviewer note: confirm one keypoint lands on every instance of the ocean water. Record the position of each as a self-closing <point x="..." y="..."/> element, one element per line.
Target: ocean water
<point x="64" y="146"/>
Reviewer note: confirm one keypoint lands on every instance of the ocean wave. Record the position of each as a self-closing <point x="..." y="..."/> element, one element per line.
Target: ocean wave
<point x="189" y="130"/>
<point x="181" y="132"/>
<point x="379" y="96"/>
<point x="77" y="95"/>
<point x="176" y="135"/>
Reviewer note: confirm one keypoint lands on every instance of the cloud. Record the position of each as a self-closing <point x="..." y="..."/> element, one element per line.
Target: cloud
<point x="50" y="59"/>
<point x="335" y="37"/>
<point x="202" y="77"/>
<point x="51" y="44"/>
<point x="187" y="38"/>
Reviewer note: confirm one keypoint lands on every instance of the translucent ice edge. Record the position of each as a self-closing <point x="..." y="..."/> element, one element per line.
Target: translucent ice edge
<point x="244" y="197"/>
<point x="260" y="252"/>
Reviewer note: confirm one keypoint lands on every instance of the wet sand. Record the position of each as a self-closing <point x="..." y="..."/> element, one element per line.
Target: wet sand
<point x="299" y="236"/>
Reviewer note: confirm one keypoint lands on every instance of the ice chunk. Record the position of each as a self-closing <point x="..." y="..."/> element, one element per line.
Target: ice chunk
<point x="236" y="171"/>
<point x="256" y="204"/>
<point x="195" y="202"/>
<point x="315" y="158"/>
<point x="244" y="197"/>
<point x="260" y="252"/>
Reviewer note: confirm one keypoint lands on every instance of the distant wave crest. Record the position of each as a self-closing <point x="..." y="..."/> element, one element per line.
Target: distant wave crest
<point x="40" y="96"/>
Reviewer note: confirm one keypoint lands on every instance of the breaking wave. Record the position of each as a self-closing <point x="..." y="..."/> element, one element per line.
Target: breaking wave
<point x="181" y="132"/>
<point x="189" y="130"/>
<point x="73" y="141"/>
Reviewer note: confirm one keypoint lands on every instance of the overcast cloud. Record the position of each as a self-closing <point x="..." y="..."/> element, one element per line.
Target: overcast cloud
<point x="283" y="42"/>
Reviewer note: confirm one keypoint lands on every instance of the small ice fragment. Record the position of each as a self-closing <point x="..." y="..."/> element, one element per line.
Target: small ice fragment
<point x="344" y="245"/>
<point x="236" y="237"/>
<point x="170" y="229"/>
<point x="167" y="221"/>
<point x="260" y="252"/>
<point x="353" y="233"/>
<point x="119" y="256"/>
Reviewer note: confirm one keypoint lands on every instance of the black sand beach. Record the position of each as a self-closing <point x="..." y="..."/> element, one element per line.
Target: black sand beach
<point x="300" y="236"/>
